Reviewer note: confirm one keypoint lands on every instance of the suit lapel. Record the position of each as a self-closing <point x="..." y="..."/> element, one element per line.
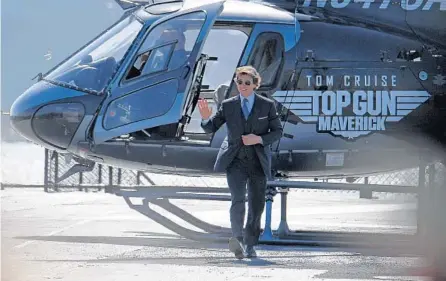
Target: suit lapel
<point x="237" y="111"/>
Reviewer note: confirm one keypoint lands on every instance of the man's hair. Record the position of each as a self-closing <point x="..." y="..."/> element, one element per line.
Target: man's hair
<point x="251" y="71"/>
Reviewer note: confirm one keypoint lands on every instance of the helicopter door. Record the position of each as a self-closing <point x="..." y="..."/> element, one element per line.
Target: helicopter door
<point x="153" y="86"/>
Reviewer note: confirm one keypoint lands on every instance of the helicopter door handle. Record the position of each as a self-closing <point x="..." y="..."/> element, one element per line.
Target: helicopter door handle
<point x="186" y="71"/>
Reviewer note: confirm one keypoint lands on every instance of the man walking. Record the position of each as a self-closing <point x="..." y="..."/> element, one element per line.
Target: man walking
<point x="252" y="126"/>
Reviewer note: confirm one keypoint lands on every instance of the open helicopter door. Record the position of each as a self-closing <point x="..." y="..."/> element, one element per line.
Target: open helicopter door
<point x="154" y="84"/>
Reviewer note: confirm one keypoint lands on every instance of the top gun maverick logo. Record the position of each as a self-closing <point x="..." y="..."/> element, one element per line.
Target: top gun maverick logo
<point x="408" y="5"/>
<point x="351" y="114"/>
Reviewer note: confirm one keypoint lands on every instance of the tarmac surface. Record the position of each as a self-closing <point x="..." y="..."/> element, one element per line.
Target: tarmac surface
<point x="77" y="236"/>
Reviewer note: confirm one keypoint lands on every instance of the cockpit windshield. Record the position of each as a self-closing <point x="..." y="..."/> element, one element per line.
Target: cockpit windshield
<point x="92" y="67"/>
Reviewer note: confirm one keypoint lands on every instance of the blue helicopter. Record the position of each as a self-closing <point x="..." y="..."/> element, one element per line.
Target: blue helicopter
<point x="360" y="86"/>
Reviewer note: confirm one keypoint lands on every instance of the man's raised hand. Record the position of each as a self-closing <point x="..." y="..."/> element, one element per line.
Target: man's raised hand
<point x="205" y="111"/>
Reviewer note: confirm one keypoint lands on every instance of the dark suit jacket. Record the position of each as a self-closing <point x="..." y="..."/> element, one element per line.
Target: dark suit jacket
<point x="265" y="123"/>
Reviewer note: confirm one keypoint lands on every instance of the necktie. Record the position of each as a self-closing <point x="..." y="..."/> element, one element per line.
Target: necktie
<point x="245" y="108"/>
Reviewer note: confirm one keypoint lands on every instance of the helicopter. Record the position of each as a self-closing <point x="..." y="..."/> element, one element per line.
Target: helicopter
<point x="360" y="86"/>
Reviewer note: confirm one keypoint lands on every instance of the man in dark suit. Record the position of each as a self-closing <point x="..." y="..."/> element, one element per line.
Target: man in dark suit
<point x="245" y="154"/>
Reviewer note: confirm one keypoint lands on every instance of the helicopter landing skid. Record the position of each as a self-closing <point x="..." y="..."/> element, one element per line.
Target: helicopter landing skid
<point x="160" y="195"/>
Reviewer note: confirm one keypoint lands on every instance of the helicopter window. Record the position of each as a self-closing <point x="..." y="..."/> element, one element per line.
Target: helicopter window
<point x="221" y="70"/>
<point x="168" y="45"/>
<point x="267" y="56"/>
<point x="93" y="66"/>
<point x="139" y="106"/>
<point x="151" y="61"/>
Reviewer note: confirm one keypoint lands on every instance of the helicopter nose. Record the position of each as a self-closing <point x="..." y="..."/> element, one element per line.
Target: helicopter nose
<point x="20" y="117"/>
<point x="44" y="115"/>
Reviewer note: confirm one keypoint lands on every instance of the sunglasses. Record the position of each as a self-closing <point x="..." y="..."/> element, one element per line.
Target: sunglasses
<point x="247" y="83"/>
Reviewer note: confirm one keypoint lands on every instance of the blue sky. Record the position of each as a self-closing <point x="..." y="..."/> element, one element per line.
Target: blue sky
<point x="31" y="29"/>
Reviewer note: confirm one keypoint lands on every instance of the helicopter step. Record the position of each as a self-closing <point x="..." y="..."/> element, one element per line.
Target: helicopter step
<point x="82" y="165"/>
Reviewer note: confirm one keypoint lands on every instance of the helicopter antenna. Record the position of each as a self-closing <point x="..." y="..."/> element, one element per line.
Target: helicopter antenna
<point x="129" y="4"/>
<point x="293" y="74"/>
<point x="295" y="36"/>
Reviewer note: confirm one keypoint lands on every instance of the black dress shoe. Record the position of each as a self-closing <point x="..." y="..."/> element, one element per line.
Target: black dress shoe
<point x="236" y="247"/>
<point x="250" y="252"/>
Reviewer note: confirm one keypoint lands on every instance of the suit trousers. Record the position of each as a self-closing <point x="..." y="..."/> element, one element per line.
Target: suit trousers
<point x="246" y="174"/>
